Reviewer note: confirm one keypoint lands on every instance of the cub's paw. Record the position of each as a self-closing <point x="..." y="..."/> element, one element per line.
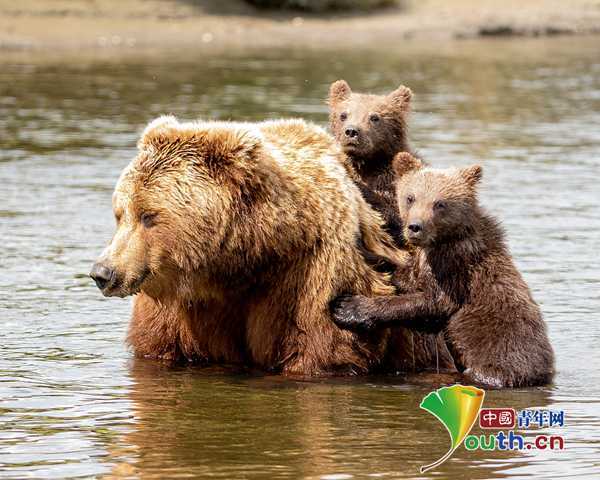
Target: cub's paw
<point x="352" y="313"/>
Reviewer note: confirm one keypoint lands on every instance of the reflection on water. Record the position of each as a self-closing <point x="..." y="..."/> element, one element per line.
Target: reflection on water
<point x="74" y="403"/>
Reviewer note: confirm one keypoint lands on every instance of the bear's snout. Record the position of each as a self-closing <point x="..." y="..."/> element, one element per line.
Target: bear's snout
<point x="103" y="275"/>
<point x="351" y="132"/>
<point x="415" y="231"/>
<point x="415" y="227"/>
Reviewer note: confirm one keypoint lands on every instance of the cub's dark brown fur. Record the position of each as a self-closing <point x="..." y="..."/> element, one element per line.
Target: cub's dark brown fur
<point x="461" y="281"/>
<point x="371" y="129"/>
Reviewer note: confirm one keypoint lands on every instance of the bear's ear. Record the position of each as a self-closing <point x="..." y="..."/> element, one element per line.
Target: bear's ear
<point x="226" y="151"/>
<point x="338" y="92"/>
<point x="229" y="154"/>
<point x="400" y="99"/>
<point x="404" y="162"/>
<point x="226" y="148"/>
<point x="471" y="175"/>
<point x="157" y="131"/>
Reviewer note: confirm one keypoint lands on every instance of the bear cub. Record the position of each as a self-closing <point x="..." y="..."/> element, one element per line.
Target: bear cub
<point x="461" y="281"/>
<point x="371" y="129"/>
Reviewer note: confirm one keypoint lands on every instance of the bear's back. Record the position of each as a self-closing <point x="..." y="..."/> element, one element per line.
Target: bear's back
<point x="308" y="157"/>
<point x="298" y="144"/>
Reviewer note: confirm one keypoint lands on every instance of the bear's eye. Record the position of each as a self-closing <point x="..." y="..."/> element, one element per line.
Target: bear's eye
<point x="148" y="219"/>
<point x="374" y="117"/>
<point x="343" y="116"/>
<point x="118" y="217"/>
<point x="439" y="205"/>
<point x="410" y="199"/>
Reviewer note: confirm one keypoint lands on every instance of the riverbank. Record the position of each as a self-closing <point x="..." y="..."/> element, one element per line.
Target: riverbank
<point x="141" y="24"/>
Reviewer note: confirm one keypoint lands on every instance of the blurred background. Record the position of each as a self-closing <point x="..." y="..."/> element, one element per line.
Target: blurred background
<point x="514" y="86"/>
<point x="209" y="25"/>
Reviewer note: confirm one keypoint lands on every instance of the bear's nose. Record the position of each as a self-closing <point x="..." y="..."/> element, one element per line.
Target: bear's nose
<point x="415" y="227"/>
<point x="102" y="275"/>
<point x="351" y="132"/>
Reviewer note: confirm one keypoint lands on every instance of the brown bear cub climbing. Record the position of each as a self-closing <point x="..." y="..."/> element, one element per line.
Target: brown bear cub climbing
<point x="371" y="129"/>
<point x="461" y="280"/>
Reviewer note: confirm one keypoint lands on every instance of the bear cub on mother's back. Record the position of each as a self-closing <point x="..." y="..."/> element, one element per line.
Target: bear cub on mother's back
<point x="371" y="129"/>
<point x="462" y="281"/>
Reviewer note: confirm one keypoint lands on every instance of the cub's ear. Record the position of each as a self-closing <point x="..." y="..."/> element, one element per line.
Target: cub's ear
<point x="471" y="175"/>
<point x="404" y="163"/>
<point x="400" y="99"/>
<point x="339" y="91"/>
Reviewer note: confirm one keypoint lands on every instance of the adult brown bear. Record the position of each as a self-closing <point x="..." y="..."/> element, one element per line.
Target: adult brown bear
<point x="234" y="238"/>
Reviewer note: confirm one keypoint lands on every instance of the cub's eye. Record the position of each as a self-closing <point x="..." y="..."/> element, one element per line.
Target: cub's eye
<point x="148" y="219"/>
<point x="118" y="217"/>
<point x="343" y="116"/>
<point x="374" y="117"/>
<point x="439" y="205"/>
<point x="410" y="199"/>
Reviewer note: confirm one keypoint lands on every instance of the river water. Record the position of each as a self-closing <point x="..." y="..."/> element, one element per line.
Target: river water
<point x="73" y="401"/>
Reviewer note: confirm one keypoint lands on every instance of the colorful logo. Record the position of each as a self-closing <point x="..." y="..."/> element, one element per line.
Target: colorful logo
<point x="457" y="407"/>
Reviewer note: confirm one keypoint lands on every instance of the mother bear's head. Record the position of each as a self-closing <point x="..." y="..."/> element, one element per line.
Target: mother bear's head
<point x="174" y="206"/>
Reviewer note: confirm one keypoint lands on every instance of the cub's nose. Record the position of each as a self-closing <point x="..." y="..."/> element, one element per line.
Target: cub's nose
<point x="102" y="275"/>
<point x="351" y="132"/>
<point x="415" y="227"/>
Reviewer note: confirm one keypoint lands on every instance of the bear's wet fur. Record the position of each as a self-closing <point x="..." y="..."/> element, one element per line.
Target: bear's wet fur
<point x="235" y="237"/>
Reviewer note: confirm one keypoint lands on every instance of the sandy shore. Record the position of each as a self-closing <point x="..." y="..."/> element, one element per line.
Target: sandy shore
<point x="211" y="24"/>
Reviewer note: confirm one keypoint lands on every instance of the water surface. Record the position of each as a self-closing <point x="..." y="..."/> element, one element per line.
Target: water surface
<point x="73" y="401"/>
